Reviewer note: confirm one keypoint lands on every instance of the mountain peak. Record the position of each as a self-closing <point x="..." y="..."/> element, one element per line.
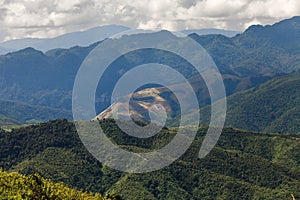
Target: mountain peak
<point x="293" y="23"/>
<point x="165" y="33"/>
<point x="254" y="28"/>
<point x="28" y="51"/>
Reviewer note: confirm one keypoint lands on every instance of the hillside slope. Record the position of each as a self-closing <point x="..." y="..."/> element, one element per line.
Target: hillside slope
<point x="141" y="101"/>
<point x="243" y="165"/>
<point x="68" y="40"/>
<point x="270" y="107"/>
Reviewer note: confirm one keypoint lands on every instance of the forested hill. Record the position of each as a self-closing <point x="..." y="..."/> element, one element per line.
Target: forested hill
<point x="269" y="107"/>
<point x="243" y="165"/>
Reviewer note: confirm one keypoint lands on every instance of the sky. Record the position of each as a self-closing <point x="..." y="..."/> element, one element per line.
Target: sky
<point x="49" y="18"/>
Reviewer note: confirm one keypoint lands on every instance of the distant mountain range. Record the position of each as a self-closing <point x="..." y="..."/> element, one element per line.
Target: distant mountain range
<point x="259" y="50"/>
<point x="85" y="38"/>
<point x="245" y="61"/>
<point x="46" y="79"/>
<point x="82" y="38"/>
<point x="212" y="31"/>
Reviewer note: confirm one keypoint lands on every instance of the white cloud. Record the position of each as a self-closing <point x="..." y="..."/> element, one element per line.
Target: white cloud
<point x="273" y="8"/>
<point x="217" y="8"/>
<point x="48" y="18"/>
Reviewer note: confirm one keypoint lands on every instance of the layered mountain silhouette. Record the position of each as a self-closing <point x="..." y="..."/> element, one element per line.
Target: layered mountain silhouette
<point x="212" y="31"/>
<point x="245" y="61"/>
<point x="81" y="38"/>
<point x="86" y="38"/>
<point x="259" y="50"/>
<point x="46" y="79"/>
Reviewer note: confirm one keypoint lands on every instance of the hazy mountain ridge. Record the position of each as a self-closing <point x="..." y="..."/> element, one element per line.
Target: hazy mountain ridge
<point x="268" y="51"/>
<point x="68" y="40"/>
<point x="46" y="79"/>
<point x="86" y="38"/>
<point x="259" y="50"/>
<point x="212" y="31"/>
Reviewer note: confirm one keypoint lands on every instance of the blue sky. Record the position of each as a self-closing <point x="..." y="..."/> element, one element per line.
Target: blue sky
<point x="49" y="18"/>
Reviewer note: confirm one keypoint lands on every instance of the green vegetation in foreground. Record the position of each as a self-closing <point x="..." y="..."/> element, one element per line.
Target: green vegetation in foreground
<point x="16" y="186"/>
<point x="243" y="165"/>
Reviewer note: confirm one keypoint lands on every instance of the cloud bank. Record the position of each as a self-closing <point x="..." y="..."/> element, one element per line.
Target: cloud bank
<point x="48" y="18"/>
